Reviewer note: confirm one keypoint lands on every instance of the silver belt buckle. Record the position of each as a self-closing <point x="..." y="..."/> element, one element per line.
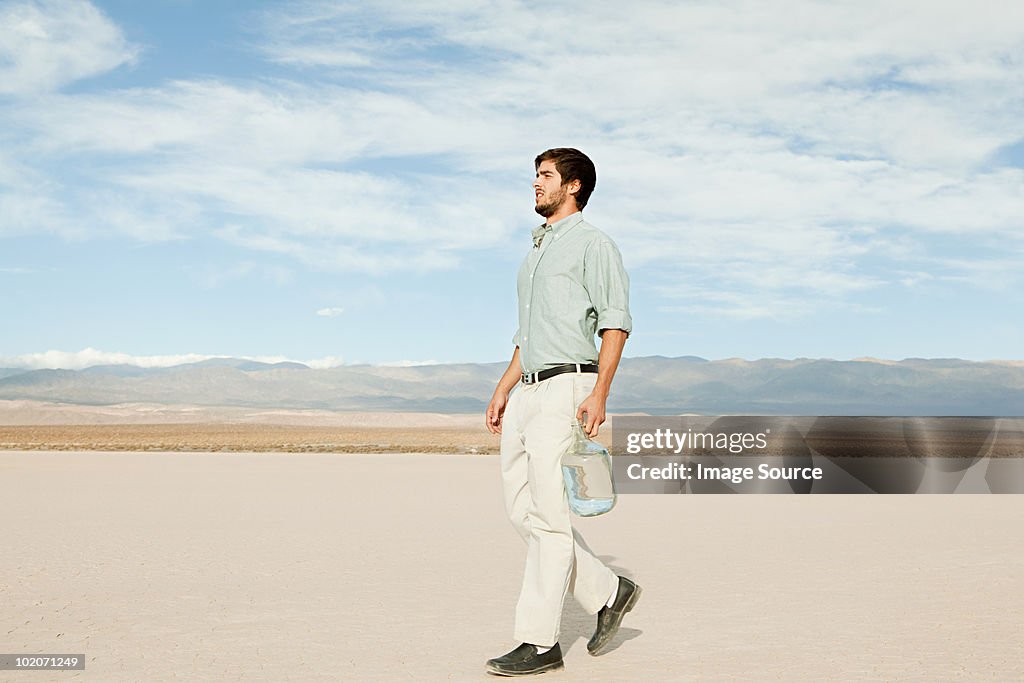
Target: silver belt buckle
<point x="528" y="379"/>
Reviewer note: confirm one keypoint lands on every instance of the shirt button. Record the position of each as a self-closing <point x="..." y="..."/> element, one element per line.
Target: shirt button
<point x="527" y="305"/>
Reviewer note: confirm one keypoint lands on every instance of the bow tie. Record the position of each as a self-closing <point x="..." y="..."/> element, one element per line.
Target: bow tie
<point x="539" y="233"/>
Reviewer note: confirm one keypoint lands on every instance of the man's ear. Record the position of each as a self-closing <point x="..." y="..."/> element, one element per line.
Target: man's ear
<point x="574" y="187"/>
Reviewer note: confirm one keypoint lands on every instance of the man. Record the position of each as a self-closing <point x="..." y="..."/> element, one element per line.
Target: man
<point x="571" y="286"/>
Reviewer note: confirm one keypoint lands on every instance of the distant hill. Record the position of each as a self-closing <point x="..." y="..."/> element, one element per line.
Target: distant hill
<point x="655" y="385"/>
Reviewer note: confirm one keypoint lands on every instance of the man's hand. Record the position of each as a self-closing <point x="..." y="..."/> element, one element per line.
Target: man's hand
<point x="495" y="412"/>
<point x="593" y="406"/>
<point x="496" y="409"/>
<point x="612" y="341"/>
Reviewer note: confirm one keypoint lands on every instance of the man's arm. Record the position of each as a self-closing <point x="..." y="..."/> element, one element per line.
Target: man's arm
<point x="612" y="342"/>
<point x="496" y="409"/>
<point x="607" y="284"/>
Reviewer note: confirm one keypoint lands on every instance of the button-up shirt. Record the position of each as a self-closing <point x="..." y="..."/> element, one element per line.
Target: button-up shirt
<point x="571" y="286"/>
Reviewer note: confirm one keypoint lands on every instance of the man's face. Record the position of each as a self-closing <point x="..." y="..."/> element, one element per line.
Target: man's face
<point x="548" y="190"/>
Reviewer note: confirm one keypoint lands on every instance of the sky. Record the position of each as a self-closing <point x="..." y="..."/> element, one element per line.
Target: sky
<point x="350" y="182"/>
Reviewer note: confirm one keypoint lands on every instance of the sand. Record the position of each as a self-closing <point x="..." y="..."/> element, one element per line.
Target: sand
<point x="37" y="425"/>
<point x="28" y="412"/>
<point x="326" y="567"/>
<point x="247" y="438"/>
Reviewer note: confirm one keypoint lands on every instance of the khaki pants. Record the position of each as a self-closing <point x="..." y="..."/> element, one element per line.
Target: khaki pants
<point x="536" y="429"/>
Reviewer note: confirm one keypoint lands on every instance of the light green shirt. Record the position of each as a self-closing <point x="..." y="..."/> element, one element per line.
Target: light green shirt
<point x="571" y="285"/>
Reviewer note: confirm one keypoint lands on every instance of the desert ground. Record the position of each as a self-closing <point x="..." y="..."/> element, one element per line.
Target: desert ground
<point x="306" y="566"/>
<point x="36" y="425"/>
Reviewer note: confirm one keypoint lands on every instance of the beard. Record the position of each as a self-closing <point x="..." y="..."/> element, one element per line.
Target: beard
<point x="548" y="208"/>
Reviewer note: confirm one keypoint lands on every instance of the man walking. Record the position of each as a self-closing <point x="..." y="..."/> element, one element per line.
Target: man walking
<point x="571" y="286"/>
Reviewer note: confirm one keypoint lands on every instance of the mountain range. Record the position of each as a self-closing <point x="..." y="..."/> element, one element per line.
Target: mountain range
<point x="656" y="385"/>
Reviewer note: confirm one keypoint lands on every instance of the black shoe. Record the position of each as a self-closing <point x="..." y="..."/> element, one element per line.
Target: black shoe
<point x="609" y="618"/>
<point x="524" y="661"/>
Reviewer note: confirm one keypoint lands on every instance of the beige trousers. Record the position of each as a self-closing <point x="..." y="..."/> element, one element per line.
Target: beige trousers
<point x="536" y="429"/>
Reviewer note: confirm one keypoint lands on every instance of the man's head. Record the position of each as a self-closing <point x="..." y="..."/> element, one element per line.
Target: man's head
<point x="563" y="175"/>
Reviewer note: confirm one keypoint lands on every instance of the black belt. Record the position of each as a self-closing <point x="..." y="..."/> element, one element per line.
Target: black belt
<point x="548" y="373"/>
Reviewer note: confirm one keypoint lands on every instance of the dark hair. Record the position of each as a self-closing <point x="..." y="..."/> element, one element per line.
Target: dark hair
<point x="572" y="164"/>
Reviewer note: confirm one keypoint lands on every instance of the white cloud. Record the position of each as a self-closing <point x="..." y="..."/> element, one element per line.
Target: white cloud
<point x="89" y="357"/>
<point x="268" y="170"/>
<point x="45" y="44"/>
<point x="332" y="312"/>
<point x="760" y="152"/>
<point x="325" y="362"/>
<point x="76" y="360"/>
<point x="408" y="363"/>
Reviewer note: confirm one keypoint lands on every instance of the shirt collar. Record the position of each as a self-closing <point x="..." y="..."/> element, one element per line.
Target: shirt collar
<point x="556" y="228"/>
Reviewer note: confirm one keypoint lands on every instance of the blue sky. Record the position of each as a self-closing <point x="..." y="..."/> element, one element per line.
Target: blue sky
<point x="344" y="182"/>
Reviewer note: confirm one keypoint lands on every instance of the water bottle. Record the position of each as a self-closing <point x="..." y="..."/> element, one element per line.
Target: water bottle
<point x="587" y="470"/>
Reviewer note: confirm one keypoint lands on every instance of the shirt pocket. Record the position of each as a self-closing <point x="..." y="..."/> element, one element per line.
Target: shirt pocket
<point x="557" y="293"/>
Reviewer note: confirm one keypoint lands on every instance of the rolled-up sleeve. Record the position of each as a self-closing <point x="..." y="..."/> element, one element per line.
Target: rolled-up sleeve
<point x="516" y="338"/>
<point x="607" y="284"/>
